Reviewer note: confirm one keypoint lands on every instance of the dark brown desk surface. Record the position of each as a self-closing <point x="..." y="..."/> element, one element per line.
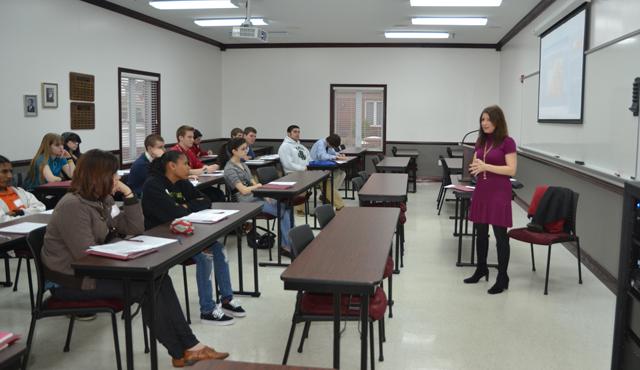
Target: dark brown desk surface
<point x="14" y="238"/>
<point x="12" y="355"/>
<point x="454" y="163"/>
<point x="352" y="150"/>
<point x="206" y="181"/>
<point x="234" y="365"/>
<point x="391" y="163"/>
<point x="303" y="181"/>
<point x="154" y="264"/>
<point x="348" y="255"/>
<point x="407" y="153"/>
<point x="389" y="187"/>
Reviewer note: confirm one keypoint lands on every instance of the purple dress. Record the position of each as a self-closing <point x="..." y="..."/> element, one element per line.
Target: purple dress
<point x="491" y="200"/>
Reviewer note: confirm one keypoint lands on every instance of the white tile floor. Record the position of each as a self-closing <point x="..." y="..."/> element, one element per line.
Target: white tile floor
<point x="439" y="322"/>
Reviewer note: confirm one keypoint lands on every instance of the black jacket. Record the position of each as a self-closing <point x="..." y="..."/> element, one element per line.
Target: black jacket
<point x="164" y="202"/>
<point x="555" y="204"/>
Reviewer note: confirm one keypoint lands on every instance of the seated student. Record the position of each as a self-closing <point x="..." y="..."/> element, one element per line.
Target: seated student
<point x="250" y="134"/>
<point x="15" y="202"/>
<point x="168" y="195"/>
<point x="139" y="171"/>
<point x="50" y="163"/>
<point x="71" y="142"/>
<point x="197" y="139"/>
<point x="184" y="134"/>
<point x="238" y="177"/>
<point x="224" y="154"/>
<point x="87" y="216"/>
<point x="294" y="156"/>
<point x="324" y="150"/>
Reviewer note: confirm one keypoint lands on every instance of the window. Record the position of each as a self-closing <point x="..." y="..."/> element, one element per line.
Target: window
<point x="139" y="111"/>
<point x="358" y="115"/>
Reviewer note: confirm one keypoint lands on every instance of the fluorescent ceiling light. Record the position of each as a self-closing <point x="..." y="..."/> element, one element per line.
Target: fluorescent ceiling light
<point x="449" y="21"/>
<point x="416" y="35"/>
<point x="192" y="4"/>
<point x="222" y="22"/>
<point x="456" y="2"/>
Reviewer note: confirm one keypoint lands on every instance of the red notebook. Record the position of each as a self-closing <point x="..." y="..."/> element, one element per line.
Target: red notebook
<point x="121" y="257"/>
<point x="7" y="338"/>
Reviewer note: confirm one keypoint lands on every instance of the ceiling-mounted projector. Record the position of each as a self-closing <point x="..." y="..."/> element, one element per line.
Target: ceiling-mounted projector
<point x="248" y="32"/>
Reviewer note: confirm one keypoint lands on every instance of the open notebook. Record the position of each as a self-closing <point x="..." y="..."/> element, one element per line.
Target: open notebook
<point x="130" y="248"/>
<point x="209" y="216"/>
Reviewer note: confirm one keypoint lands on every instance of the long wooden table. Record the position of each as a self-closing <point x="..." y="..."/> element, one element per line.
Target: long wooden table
<point x="387" y="188"/>
<point x="348" y="256"/>
<point x="357" y="165"/>
<point x="234" y="365"/>
<point x="413" y="154"/>
<point x="332" y="168"/>
<point x="304" y="180"/>
<point x="152" y="266"/>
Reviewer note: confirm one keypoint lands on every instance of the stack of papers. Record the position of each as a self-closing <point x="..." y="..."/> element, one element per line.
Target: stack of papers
<point x="459" y="187"/>
<point x="130" y="248"/>
<point x="270" y="157"/>
<point x="7" y="338"/>
<point x="214" y="173"/>
<point x="255" y="161"/>
<point x="22" y="228"/>
<point x="123" y="172"/>
<point x="278" y="185"/>
<point x="209" y="216"/>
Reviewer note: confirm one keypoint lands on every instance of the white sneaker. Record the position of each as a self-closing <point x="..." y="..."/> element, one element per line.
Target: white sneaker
<point x="217" y="317"/>
<point x="233" y="308"/>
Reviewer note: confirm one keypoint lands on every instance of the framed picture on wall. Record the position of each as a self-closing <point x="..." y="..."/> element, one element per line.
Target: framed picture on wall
<point x="49" y="95"/>
<point x="31" y="105"/>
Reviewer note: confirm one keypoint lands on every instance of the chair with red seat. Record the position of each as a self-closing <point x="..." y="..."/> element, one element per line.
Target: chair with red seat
<point x="52" y="306"/>
<point x="551" y="234"/>
<point x="319" y="306"/>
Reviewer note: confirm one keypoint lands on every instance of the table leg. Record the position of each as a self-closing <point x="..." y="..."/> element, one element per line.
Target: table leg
<point x="315" y="205"/>
<point x="455" y="217"/>
<point x="128" y="339"/>
<point x="460" y="231"/>
<point x="153" y="345"/>
<point x="331" y="190"/>
<point x="280" y="236"/>
<point x="255" y="292"/>
<point x="239" y="244"/>
<point x="336" y="330"/>
<point x="397" y="261"/>
<point x="7" y="282"/>
<point x="364" y="324"/>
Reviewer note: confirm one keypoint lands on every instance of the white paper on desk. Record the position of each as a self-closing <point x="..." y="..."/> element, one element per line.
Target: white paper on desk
<point x="255" y="161"/>
<point x="136" y="244"/>
<point x="123" y="172"/>
<point x="209" y="216"/>
<point x="22" y="228"/>
<point x="48" y="212"/>
<point x="270" y="157"/>
<point x="341" y="162"/>
<point x="282" y="183"/>
<point x="213" y="174"/>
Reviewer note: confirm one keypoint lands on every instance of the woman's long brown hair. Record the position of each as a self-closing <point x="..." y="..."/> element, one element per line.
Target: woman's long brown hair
<point x="45" y="151"/>
<point x="93" y="177"/>
<point x="496" y="116"/>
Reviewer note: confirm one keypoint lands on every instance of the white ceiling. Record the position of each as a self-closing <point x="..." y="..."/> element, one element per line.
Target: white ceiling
<point x="344" y="21"/>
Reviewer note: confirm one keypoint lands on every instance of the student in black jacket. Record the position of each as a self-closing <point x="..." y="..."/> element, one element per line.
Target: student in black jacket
<point x="168" y="195"/>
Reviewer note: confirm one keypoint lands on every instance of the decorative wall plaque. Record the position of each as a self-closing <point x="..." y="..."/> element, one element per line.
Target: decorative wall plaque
<point x="81" y="87"/>
<point x="83" y="116"/>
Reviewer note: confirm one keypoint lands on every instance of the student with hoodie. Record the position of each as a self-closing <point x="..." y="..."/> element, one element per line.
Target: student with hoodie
<point x="168" y="195"/>
<point x="15" y="202"/>
<point x="294" y="156"/>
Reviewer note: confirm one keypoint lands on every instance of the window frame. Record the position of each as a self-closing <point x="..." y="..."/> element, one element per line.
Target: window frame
<point x="122" y="70"/>
<point x="384" y="110"/>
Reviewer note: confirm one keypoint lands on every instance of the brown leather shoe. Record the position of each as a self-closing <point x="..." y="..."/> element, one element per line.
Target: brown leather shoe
<point x="191" y="357"/>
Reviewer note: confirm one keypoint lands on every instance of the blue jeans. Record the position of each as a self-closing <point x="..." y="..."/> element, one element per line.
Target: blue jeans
<point x="203" y="276"/>
<point x="270" y="207"/>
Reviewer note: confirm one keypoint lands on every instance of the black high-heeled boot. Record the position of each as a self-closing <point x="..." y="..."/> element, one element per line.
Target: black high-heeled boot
<point x="477" y="275"/>
<point x="502" y="284"/>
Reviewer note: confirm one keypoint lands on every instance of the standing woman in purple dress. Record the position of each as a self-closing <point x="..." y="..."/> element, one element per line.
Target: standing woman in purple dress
<point x="494" y="162"/>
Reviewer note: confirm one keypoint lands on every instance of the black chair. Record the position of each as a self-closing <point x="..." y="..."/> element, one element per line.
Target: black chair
<point x="394" y="150"/>
<point x="364" y="175"/>
<point x="52" y="306"/>
<point x="380" y="156"/>
<point x="23" y="253"/>
<point x="357" y="183"/>
<point x="375" y="162"/>
<point x="568" y="235"/>
<point x="446" y="181"/>
<point x="324" y="213"/>
<point x="319" y="306"/>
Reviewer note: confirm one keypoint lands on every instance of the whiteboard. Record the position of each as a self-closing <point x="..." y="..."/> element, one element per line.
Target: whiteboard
<point x="607" y="141"/>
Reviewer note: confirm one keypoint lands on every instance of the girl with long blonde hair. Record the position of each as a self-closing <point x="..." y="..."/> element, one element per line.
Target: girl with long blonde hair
<point x="50" y="162"/>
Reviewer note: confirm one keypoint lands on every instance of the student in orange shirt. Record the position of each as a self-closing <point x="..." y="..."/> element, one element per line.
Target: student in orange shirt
<point x="15" y="202"/>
